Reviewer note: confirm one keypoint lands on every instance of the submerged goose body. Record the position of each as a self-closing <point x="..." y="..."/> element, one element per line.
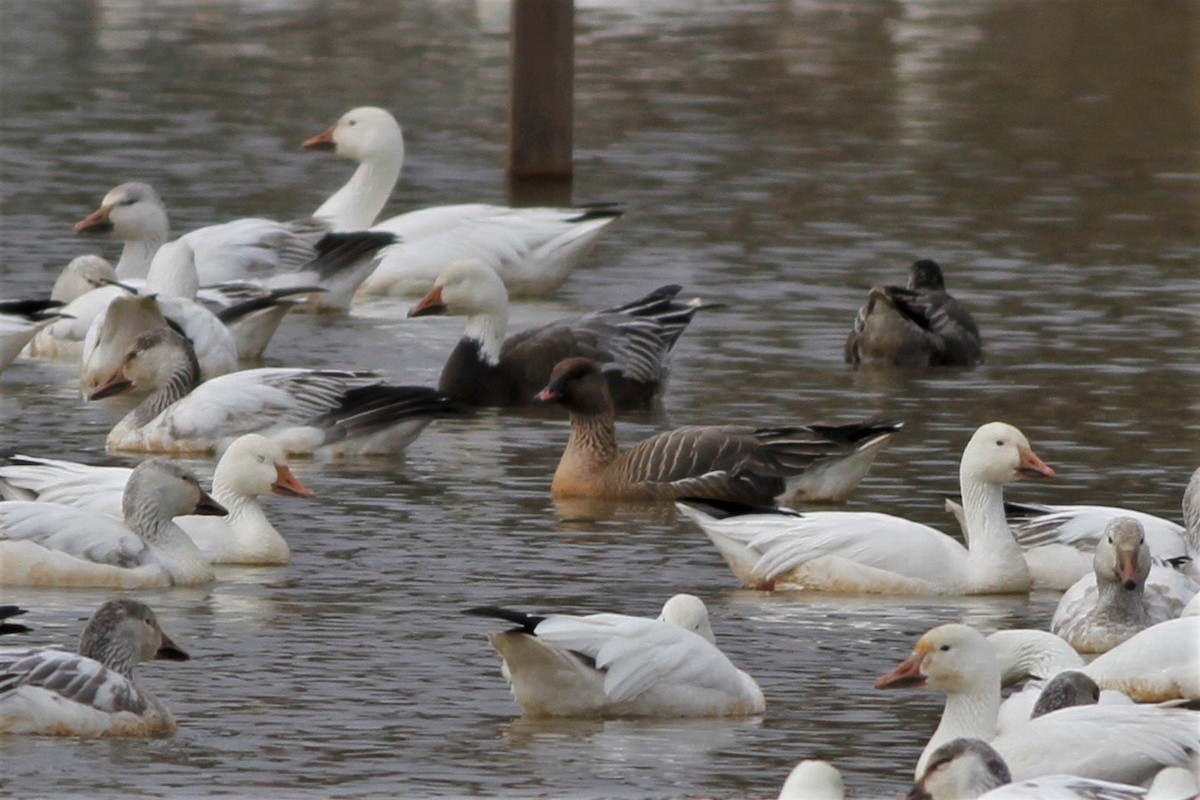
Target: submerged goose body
<point x="843" y="551"/>
<point x="726" y="462"/>
<point x="51" y="544"/>
<point x="304" y="410"/>
<point x="631" y="342"/>
<point x="1124" y="743"/>
<point x="532" y="249"/>
<point x="918" y="326"/>
<point x="613" y="665"/>
<point x="92" y="692"/>
<point x="252" y="465"/>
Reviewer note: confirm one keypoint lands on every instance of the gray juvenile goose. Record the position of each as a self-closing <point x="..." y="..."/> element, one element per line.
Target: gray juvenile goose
<point x="917" y="326"/>
<point x="721" y="462"/>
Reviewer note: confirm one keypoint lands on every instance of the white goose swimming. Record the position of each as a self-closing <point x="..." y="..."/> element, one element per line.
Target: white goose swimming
<point x="532" y="249"/>
<point x="90" y="693"/>
<point x="305" y="410"/>
<point x="86" y="286"/>
<point x="848" y="551"/>
<point x="51" y="544"/>
<point x="813" y="779"/>
<point x="613" y="665"/>
<point x="251" y="466"/>
<point x="1112" y="742"/>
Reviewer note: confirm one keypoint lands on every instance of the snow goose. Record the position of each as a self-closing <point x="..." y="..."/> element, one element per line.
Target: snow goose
<point x="50" y="544"/>
<point x="335" y="412"/>
<point x="252" y="465"/>
<point x="86" y="285"/>
<point x="852" y="551"/>
<point x="532" y="249"/>
<point x="1111" y="742"/>
<point x="920" y="326"/>
<point x="273" y="254"/>
<point x="1060" y="539"/>
<point x="631" y="341"/>
<point x="613" y="665"/>
<point x="7" y="613"/>
<point x="734" y="462"/>
<point x="813" y="779"/>
<point x="1096" y="615"/>
<point x="90" y="693"/>
<point x="971" y="769"/>
<point x="20" y="321"/>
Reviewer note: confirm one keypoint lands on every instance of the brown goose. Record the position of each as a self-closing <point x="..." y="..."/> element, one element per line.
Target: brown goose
<point x="918" y="326"/>
<point x="720" y="462"/>
<point x="631" y="342"/>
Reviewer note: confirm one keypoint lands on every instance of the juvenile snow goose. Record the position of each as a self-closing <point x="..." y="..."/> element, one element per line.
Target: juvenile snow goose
<point x="1060" y="539"/>
<point x="971" y="769"/>
<point x="725" y="462"/>
<point x="86" y="286"/>
<point x="51" y="544"/>
<point x="532" y="249"/>
<point x="251" y="466"/>
<point x="90" y="693"/>
<point x="631" y="342"/>
<point x="918" y="326"/>
<point x="1113" y="606"/>
<point x="1125" y="743"/>
<point x="859" y="551"/>
<point x="333" y="412"/>
<point x="20" y="321"/>
<point x="613" y="665"/>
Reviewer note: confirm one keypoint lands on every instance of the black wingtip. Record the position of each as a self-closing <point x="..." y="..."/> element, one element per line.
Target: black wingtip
<point x="7" y="612"/>
<point x="527" y="622"/>
<point x="723" y="509"/>
<point x="601" y="210"/>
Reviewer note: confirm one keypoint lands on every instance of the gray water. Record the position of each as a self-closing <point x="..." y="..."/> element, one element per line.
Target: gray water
<point x="776" y="157"/>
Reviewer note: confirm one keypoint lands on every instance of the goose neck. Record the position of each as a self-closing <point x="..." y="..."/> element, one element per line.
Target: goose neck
<point x="1118" y="604"/>
<point x="995" y="561"/>
<point x="594" y="436"/>
<point x="971" y="714"/>
<point x="356" y="205"/>
<point x="487" y="329"/>
<point x="183" y="379"/>
<point x="137" y="255"/>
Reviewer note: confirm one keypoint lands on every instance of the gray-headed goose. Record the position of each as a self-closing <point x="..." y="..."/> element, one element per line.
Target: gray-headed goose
<point x="721" y="462"/>
<point x="917" y="326"/>
<point x="631" y="341"/>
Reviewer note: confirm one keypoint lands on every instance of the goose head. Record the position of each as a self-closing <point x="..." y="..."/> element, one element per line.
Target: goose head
<point x="125" y="318"/>
<point x="813" y="779"/>
<point x="961" y="768"/>
<point x="580" y="385"/>
<point x="173" y="271"/>
<point x="150" y="361"/>
<point x="169" y="487"/>
<point x="254" y="465"/>
<point x="951" y="658"/>
<point x="689" y="612"/>
<point x="999" y="453"/>
<point x="361" y="134"/>
<point x="132" y="211"/>
<point x="1068" y="688"/>
<point x="1122" y="555"/>
<point x="124" y="632"/>
<point x="926" y="274"/>
<point x="81" y="276"/>
<point x="465" y="288"/>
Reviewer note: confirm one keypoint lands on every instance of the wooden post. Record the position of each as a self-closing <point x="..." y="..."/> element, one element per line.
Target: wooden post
<point x="541" y="113"/>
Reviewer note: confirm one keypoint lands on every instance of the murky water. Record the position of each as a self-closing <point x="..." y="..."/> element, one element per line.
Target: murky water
<point x="776" y="157"/>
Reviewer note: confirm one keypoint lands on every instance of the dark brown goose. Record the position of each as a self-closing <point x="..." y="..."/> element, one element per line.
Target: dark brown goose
<point x="918" y="326"/>
<point x="720" y="462"/>
<point x="631" y="342"/>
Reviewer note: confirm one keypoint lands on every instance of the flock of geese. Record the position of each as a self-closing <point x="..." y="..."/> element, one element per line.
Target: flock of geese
<point x="174" y="323"/>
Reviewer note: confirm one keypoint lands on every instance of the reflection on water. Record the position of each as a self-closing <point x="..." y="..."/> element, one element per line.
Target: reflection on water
<point x="777" y="157"/>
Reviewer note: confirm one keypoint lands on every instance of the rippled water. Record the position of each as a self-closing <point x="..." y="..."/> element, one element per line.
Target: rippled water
<point x="776" y="157"/>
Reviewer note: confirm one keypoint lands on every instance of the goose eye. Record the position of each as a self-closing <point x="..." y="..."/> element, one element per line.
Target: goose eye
<point x="352" y="123"/>
<point x="944" y="648"/>
<point x="261" y="459"/>
<point x="999" y="443"/>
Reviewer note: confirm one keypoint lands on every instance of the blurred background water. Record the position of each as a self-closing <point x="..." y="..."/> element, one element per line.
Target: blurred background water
<point x="777" y="157"/>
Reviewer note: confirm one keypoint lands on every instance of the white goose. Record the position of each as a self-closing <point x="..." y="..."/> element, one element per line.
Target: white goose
<point x="612" y="665"/>
<point x="304" y="410"/>
<point x="813" y="779"/>
<point x="86" y="286"/>
<point x="1060" y="539"/>
<point x="20" y="321"/>
<point x="532" y="249"/>
<point x="847" y="551"/>
<point x="92" y="692"/>
<point x="50" y="544"/>
<point x="252" y="465"/>
<point x="1159" y="663"/>
<point x="1104" y="609"/>
<point x="1112" y="742"/>
<point x="971" y="769"/>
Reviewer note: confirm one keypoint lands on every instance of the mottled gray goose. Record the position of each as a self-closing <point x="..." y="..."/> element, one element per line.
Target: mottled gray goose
<point x="90" y="693"/>
<point x="917" y="326"/>
<point x="631" y="342"/>
<point x="722" y="462"/>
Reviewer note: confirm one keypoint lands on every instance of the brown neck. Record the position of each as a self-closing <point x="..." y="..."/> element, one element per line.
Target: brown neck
<point x="590" y="451"/>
